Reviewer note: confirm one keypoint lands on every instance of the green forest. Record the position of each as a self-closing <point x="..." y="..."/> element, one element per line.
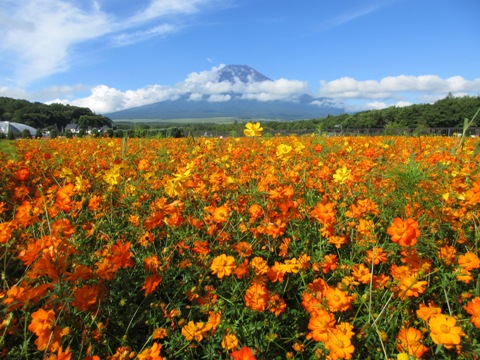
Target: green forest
<point x="449" y="112"/>
<point x="42" y="116"/>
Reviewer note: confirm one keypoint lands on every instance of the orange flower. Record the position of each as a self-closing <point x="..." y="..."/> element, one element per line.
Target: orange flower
<point x="376" y="255"/>
<point x="473" y="308"/>
<point x="242" y="269"/>
<point x="276" y="304"/>
<point x="245" y="353"/>
<point x="256" y="297"/>
<point x="48" y="335"/>
<point x="411" y="341"/>
<point x="200" y="247"/>
<point x="22" y="174"/>
<point x="463" y="275"/>
<point x="276" y="272"/>
<point x="444" y="332"/>
<point x="152" y="353"/>
<point x="321" y="325"/>
<point x="85" y="297"/>
<point x="426" y="312"/>
<point x="410" y="286"/>
<point x="61" y="355"/>
<point x="159" y="333"/>
<point x="196" y="331"/>
<point x="329" y="263"/>
<point x="338" y="300"/>
<point x="221" y="214"/>
<point x="259" y="265"/>
<point x="6" y="230"/>
<point x="361" y="273"/>
<point x="243" y="248"/>
<point x="229" y="342"/>
<point x="223" y="265"/>
<point x="448" y="254"/>
<point x="404" y="233"/>
<point x="338" y="241"/>
<point x="151" y="283"/>
<point x="121" y="256"/>
<point x="214" y="319"/>
<point x="255" y="212"/>
<point x="469" y="261"/>
<point x="146" y="239"/>
<point x="325" y="213"/>
<point x="339" y="345"/>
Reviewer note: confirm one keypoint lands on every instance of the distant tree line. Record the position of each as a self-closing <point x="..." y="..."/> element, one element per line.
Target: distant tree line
<point x="42" y="116"/>
<point x="449" y="112"/>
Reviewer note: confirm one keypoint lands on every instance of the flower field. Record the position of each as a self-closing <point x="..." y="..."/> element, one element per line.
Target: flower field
<point x="241" y="248"/>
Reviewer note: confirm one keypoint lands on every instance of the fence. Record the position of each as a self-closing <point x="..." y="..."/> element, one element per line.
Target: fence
<point x="473" y="131"/>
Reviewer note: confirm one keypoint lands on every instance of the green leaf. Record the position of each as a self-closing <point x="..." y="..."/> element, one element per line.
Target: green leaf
<point x="477" y="150"/>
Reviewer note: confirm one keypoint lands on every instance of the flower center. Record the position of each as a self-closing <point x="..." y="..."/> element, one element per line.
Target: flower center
<point x="445" y="328"/>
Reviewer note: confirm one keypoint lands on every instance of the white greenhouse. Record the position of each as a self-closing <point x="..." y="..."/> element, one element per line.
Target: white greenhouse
<point x="15" y="128"/>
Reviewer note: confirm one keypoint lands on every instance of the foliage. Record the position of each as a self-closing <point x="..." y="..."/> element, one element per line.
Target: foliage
<point x="448" y="112"/>
<point x="41" y="116"/>
<point x="266" y="248"/>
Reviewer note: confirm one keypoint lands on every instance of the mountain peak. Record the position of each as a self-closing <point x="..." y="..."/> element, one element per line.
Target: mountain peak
<point x="240" y="73"/>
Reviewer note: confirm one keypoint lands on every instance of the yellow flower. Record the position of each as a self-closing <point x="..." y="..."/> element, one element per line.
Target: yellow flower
<point x="444" y="332"/>
<point x="284" y="151"/>
<point x="253" y="129"/>
<point x="341" y="175"/>
<point x="223" y="265"/>
<point x="112" y="176"/>
<point x="173" y="188"/>
<point x="229" y="342"/>
<point x="196" y="331"/>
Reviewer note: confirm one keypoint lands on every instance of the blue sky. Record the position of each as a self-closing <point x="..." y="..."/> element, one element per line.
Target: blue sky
<point x="114" y="54"/>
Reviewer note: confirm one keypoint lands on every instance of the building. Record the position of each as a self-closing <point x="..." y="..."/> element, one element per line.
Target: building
<point x="16" y="128"/>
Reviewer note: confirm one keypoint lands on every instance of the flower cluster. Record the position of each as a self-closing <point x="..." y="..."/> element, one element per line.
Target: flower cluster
<point x="238" y="248"/>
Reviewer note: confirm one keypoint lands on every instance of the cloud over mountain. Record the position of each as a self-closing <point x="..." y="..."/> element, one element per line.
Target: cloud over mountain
<point x="211" y="85"/>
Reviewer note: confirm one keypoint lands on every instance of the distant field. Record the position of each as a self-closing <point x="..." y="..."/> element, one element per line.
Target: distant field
<point x="214" y="120"/>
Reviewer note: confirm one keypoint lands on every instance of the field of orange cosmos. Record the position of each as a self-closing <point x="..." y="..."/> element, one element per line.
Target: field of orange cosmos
<point x="307" y="247"/>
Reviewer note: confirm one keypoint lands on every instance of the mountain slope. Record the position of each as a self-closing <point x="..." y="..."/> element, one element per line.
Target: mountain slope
<point x="235" y="103"/>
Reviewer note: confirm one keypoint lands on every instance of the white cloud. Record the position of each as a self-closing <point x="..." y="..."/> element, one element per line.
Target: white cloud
<point x="346" y="17"/>
<point x="40" y="35"/>
<point x="104" y="99"/>
<point x="161" y="8"/>
<point x="219" y="98"/>
<point x="397" y="87"/>
<point x="128" y="38"/>
<point x="195" y="97"/>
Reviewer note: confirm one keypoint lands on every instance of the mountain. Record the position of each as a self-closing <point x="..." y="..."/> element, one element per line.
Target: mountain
<point x="242" y="73"/>
<point x="243" y="86"/>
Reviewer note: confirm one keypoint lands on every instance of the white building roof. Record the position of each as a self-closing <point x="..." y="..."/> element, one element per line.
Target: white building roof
<point x="16" y="128"/>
